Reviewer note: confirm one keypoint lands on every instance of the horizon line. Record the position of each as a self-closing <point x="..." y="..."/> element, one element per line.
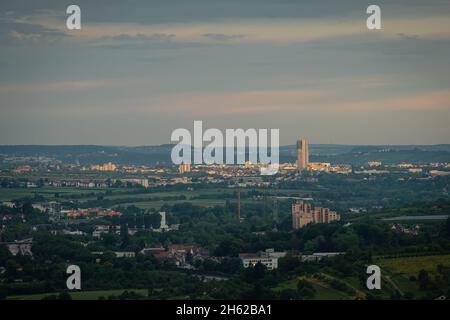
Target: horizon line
<point x="168" y="144"/>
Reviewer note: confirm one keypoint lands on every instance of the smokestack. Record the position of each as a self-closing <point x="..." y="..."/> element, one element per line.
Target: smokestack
<point x="239" y="205"/>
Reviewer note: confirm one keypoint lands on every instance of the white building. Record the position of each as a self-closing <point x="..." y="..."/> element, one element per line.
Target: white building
<point x="268" y="258"/>
<point x="316" y="256"/>
<point x="23" y="247"/>
<point x="103" y="229"/>
<point x="118" y="254"/>
<point x="125" y="254"/>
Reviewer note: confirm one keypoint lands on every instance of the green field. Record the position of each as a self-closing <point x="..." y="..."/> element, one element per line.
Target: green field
<point x="81" y="295"/>
<point x="400" y="270"/>
<point x="323" y="292"/>
<point x="8" y="194"/>
<point x="158" y="204"/>
<point x="412" y="265"/>
<point x="142" y="199"/>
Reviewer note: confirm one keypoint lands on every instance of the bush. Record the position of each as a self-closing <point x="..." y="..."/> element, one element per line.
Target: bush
<point x="64" y="296"/>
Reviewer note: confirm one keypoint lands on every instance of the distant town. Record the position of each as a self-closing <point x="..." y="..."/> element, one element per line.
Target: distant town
<point x="218" y="224"/>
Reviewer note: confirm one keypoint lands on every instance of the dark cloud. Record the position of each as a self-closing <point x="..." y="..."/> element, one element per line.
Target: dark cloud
<point x="17" y="33"/>
<point x="163" y="11"/>
<point x="141" y="41"/>
<point x="156" y="37"/>
<point x="362" y="66"/>
<point x="223" y="37"/>
<point x="404" y="36"/>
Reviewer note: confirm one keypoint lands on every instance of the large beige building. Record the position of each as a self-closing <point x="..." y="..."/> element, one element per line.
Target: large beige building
<point x="302" y="154"/>
<point x="184" y="167"/>
<point x="319" y="166"/>
<point x="106" y="167"/>
<point x="303" y="213"/>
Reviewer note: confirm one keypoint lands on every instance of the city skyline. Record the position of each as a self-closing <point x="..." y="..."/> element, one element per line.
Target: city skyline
<point x="228" y="157"/>
<point x="130" y="77"/>
<point x="287" y="144"/>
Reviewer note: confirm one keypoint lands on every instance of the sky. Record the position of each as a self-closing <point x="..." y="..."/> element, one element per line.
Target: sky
<point x="137" y="70"/>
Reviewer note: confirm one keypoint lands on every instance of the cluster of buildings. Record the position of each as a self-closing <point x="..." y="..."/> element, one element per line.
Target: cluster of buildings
<point x="181" y="255"/>
<point x="375" y="164"/>
<point x="90" y="213"/>
<point x="303" y="163"/>
<point x="411" y="230"/>
<point x="136" y="181"/>
<point x="269" y="258"/>
<point x="435" y="173"/>
<point x="245" y="175"/>
<point x="141" y="169"/>
<point x="103" y="167"/>
<point x="303" y="213"/>
<point x="432" y="170"/>
<point x="22" y="169"/>
<point x="96" y="183"/>
<point x="50" y="207"/>
<point x="105" y="229"/>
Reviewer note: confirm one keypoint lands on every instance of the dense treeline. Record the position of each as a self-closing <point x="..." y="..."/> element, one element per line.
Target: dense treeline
<point x="218" y="230"/>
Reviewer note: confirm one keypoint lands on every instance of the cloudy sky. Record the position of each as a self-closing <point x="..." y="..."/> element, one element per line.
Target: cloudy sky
<point x="137" y="70"/>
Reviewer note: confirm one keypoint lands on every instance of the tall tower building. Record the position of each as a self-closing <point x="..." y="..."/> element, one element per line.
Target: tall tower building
<point x="302" y="154"/>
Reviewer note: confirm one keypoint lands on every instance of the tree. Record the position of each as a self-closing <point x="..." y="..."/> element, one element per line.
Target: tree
<point x="288" y="294"/>
<point x="231" y="265"/>
<point x="64" y="296"/>
<point x="11" y="268"/>
<point x="347" y="240"/>
<point x="288" y="263"/>
<point x="259" y="271"/>
<point x="310" y="246"/>
<point x="27" y="208"/>
<point x="305" y="289"/>
<point x="423" y="279"/>
<point x="408" y="296"/>
<point x="447" y="228"/>
<point x="153" y="220"/>
<point x="4" y="255"/>
<point x="228" y="248"/>
<point x="3" y="293"/>
<point x="124" y="236"/>
<point x="189" y="257"/>
<point x="254" y="274"/>
<point x="40" y="183"/>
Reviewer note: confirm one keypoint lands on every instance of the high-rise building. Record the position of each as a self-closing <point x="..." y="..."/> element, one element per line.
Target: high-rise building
<point x="302" y="154"/>
<point x="303" y="214"/>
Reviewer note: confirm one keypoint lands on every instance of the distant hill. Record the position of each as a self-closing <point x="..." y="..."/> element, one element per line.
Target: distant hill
<point x="151" y="155"/>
